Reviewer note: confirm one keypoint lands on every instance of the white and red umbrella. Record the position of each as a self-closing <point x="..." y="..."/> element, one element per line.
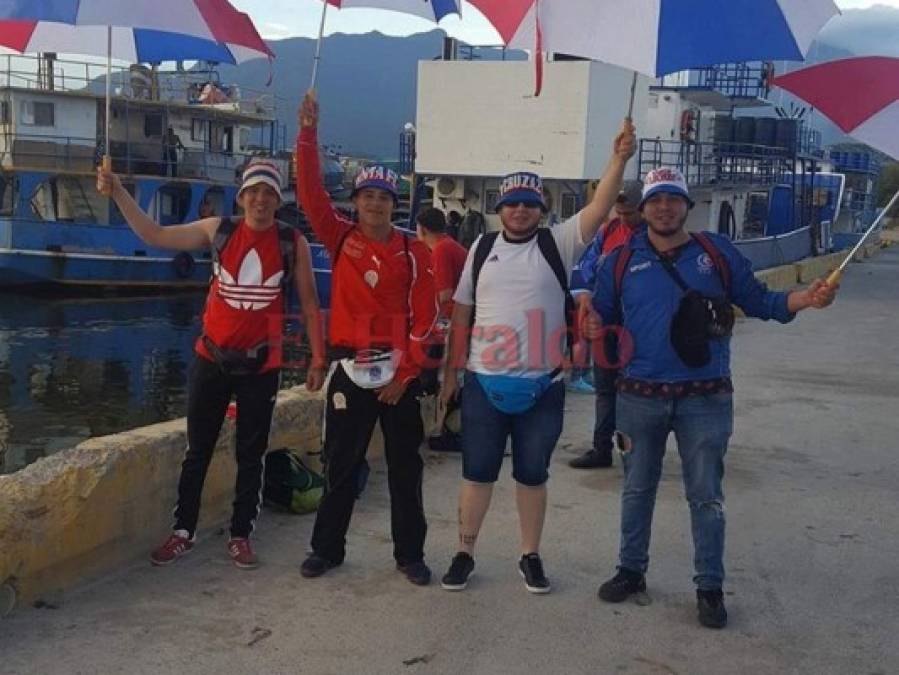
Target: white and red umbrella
<point x="860" y="96"/>
<point x="657" y="37"/>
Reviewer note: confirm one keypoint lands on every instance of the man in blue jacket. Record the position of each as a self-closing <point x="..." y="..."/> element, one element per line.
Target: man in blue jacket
<point x="672" y="295"/>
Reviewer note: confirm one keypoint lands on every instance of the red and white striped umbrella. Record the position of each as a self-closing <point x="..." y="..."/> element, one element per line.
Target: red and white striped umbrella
<point x="859" y="95"/>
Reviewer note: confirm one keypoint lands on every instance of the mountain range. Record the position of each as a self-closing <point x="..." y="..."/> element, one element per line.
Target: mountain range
<point x="367" y="82"/>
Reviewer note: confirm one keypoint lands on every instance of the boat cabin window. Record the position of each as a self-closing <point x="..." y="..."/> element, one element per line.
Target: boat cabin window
<point x="569" y="205"/>
<point x="39" y="113"/>
<point x="69" y="198"/>
<point x="171" y="204"/>
<point x="152" y="125"/>
<point x="43" y="204"/>
<point x="492" y="196"/>
<point x="212" y="204"/>
<point x="199" y="130"/>
<point x="221" y="139"/>
<point x="8" y="190"/>
<point x="77" y="200"/>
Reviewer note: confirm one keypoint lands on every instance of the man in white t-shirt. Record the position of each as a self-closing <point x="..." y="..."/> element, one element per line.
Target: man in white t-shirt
<point x="509" y="331"/>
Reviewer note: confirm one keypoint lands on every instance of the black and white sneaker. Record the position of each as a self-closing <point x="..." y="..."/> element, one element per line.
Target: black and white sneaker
<point x="531" y="568"/>
<point x="459" y="572"/>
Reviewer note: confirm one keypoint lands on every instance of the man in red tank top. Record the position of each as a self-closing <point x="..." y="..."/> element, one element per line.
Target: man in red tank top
<point x="239" y="351"/>
<point x="382" y="312"/>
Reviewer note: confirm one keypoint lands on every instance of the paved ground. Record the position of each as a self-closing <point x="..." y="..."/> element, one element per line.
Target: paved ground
<point x="812" y="552"/>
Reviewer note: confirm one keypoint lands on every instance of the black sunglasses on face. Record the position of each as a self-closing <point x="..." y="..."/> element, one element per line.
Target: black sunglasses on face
<point x="527" y="205"/>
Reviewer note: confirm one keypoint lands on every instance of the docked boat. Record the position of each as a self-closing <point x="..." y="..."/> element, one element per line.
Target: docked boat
<point x="179" y="140"/>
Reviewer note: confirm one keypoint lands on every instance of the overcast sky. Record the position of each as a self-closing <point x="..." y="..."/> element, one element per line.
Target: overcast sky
<point x="277" y="19"/>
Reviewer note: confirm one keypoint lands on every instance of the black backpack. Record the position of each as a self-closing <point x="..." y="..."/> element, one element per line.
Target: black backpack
<point x="550" y="251"/>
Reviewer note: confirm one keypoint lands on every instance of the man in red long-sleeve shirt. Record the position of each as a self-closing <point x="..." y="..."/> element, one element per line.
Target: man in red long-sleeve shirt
<point x="382" y="310"/>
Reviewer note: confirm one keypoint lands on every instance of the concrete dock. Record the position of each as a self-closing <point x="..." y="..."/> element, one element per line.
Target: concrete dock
<point x="813" y="545"/>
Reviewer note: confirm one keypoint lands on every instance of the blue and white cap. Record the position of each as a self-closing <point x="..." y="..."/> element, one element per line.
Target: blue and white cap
<point x="377" y="176"/>
<point x="521" y="187"/>
<point x="261" y="171"/>
<point x="666" y="180"/>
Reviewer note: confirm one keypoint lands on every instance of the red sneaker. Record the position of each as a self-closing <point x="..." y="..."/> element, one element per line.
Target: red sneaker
<point x="242" y="553"/>
<point x="175" y="546"/>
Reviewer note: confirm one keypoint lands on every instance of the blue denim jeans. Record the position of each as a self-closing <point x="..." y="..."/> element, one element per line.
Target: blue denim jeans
<point x="485" y="431"/>
<point x="604" y="424"/>
<point x="702" y="426"/>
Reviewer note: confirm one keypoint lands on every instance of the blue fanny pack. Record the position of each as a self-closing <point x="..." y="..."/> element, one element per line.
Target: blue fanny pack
<point x="514" y="395"/>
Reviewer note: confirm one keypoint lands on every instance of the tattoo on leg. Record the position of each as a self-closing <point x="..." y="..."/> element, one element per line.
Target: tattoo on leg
<point x="468" y="539"/>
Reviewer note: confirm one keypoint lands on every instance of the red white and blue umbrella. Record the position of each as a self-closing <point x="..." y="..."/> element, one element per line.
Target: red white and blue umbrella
<point x="138" y="30"/>
<point x="433" y="10"/>
<point x="214" y="20"/>
<point x="861" y="96"/>
<point x="135" y="45"/>
<point x="657" y="37"/>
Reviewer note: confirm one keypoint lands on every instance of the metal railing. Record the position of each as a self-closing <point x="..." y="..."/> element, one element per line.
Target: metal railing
<point x="81" y="154"/>
<point x="135" y="82"/>
<point x="717" y="163"/>
<point x="737" y="80"/>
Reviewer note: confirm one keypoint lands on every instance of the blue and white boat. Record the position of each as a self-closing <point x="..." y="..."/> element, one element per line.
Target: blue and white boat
<point x="55" y="229"/>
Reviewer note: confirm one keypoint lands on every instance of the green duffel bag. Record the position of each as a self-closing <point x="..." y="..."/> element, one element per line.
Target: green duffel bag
<point x="290" y="484"/>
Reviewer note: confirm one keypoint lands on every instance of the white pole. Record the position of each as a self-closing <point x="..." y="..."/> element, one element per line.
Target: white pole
<point x="838" y="272"/>
<point x="107" y="158"/>
<point x="318" y="45"/>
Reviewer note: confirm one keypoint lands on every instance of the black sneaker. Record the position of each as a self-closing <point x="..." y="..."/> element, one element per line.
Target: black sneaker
<point x="315" y="566"/>
<point x="459" y="572"/>
<point x="592" y="459"/>
<point x="710" y="605"/>
<point x="531" y="568"/>
<point x="417" y="572"/>
<point x="445" y="442"/>
<point x="622" y="585"/>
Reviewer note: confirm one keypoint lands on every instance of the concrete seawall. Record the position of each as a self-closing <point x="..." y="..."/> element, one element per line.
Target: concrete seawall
<point x="77" y="514"/>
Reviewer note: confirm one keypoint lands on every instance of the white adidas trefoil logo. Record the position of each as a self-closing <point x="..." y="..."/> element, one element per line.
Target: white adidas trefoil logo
<point x="249" y="291"/>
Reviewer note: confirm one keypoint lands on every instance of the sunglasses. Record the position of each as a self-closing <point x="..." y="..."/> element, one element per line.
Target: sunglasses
<point x="525" y="204"/>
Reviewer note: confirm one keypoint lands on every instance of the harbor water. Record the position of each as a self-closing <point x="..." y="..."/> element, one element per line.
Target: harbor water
<point x="73" y="368"/>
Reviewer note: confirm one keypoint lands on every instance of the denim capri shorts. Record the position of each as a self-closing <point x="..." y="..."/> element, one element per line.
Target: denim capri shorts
<point x="486" y="430"/>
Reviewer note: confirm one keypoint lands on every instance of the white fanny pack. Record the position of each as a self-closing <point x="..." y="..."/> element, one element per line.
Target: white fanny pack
<point x="371" y="368"/>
